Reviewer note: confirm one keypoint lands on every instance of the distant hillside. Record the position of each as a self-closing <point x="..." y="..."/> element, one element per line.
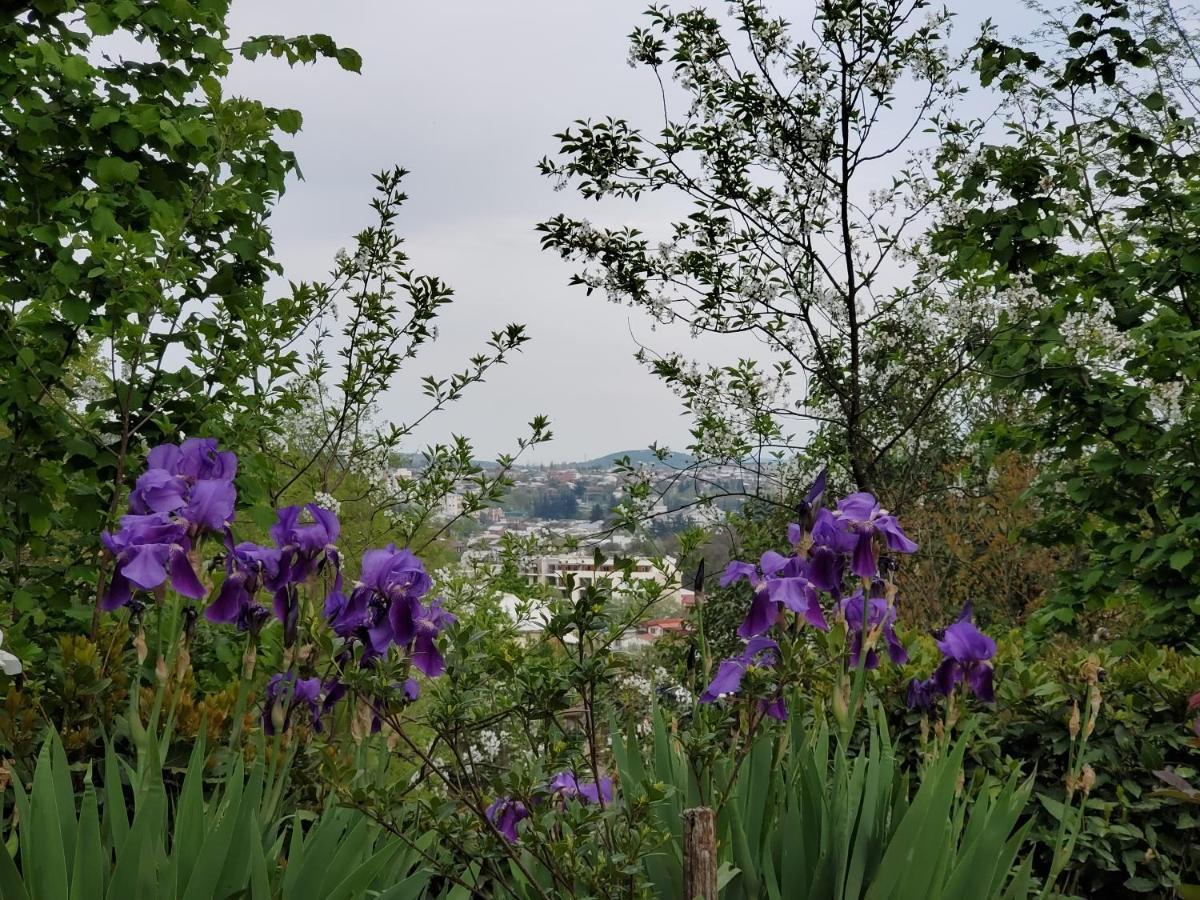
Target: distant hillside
<point x="676" y="460"/>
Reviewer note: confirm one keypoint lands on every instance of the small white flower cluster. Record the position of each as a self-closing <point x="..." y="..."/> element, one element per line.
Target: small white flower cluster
<point x="679" y="695"/>
<point x="328" y="501"/>
<point x="1166" y="399"/>
<point x="638" y="684"/>
<point x="1092" y="335"/>
<point x="486" y="747"/>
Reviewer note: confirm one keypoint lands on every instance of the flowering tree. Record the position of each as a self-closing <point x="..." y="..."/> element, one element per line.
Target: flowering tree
<point x="800" y="161"/>
<point x="1086" y="205"/>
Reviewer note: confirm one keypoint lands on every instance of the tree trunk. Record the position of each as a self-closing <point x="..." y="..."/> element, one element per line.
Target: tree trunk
<point x="699" y="854"/>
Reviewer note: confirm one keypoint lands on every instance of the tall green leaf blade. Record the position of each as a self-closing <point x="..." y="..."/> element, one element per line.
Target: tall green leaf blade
<point x="188" y="836"/>
<point x="223" y="819"/>
<point x="1022" y="884"/>
<point x="24" y="835"/>
<point x="236" y="869"/>
<point x="135" y="875"/>
<point x="358" y="879"/>
<point x="11" y="885"/>
<point x="918" y="846"/>
<point x="319" y="847"/>
<point x="48" y="862"/>
<point x="295" y="855"/>
<point x="410" y="888"/>
<point x="866" y="834"/>
<point x="793" y="861"/>
<point x="64" y="794"/>
<point x="89" y="871"/>
<point x="349" y="849"/>
<point x="116" y="814"/>
<point x="260" y="878"/>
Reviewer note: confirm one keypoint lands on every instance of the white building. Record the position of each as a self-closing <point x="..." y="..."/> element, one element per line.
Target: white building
<point x="451" y="507"/>
<point x="582" y="570"/>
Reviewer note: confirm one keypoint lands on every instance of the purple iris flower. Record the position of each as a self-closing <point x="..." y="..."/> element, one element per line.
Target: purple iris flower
<point x="775" y="708"/>
<point x="922" y="693"/>
<point x="566" y="784"/>
<point x="158" y="491"/>
<point x="505" y="813"/>
<point x="209" y="506"/>
<point x="827" y="556"/>
<point x="305" y="546"/>
<point x="783" y="583"/>
<point x="304" y="549"/>
<point x="806" y="510"/>
<point x="405" y="584"/>
<point x="880" y="619"/>
<point x="861" y="515"/>
<point x="286" y="686"/>
<point x="150" y="550"/>
<point x="430" y="621"/>
<point x="760" y="651"/>
<point x="966" y="650"/>
<point x="386" y="600"/>
<point x="193" y="480"/>
<point x="196" y="459"/>
<point x="248" y="567"/>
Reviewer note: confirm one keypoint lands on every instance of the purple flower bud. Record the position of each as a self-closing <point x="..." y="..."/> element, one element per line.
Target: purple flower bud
<point x="286" y="692"/>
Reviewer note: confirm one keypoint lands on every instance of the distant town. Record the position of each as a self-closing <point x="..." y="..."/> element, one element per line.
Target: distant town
<point x="576" y="500"/>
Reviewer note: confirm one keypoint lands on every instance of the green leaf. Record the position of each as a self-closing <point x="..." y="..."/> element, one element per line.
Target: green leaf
<point x="221" y="826"/>
<point x="110" y="171"/>
<point x="116" y="816"/>
<point x="90" y="869"/>
<point x="289" y="120"/>
<point x="76" y="310"/>
<point x="136" y="872"/>
<point x="349" y="59"/>
<point x="190" y="824"/>
<point x="11" y="885"/>
<point x="97" y="19"/>
<point x="49" y="857"/>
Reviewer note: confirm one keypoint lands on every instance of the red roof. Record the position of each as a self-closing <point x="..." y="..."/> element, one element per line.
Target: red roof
<point x="665" y="624"/>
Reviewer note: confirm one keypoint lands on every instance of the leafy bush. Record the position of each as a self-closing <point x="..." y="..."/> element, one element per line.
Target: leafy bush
<point x="1131" y="840"/>
<point x="194" y="838"/>
<point x="806" y="817"/>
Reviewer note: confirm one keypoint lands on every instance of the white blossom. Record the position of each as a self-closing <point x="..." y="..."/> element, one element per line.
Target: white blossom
<point x="328" y="501"/>
<point x="9" y="663"/>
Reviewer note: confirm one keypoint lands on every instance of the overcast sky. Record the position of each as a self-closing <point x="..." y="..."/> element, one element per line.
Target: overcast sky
<point x="467" y="95"/>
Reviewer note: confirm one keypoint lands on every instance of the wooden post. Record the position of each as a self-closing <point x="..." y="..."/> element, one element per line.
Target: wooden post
<point x="699" y="854"/>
